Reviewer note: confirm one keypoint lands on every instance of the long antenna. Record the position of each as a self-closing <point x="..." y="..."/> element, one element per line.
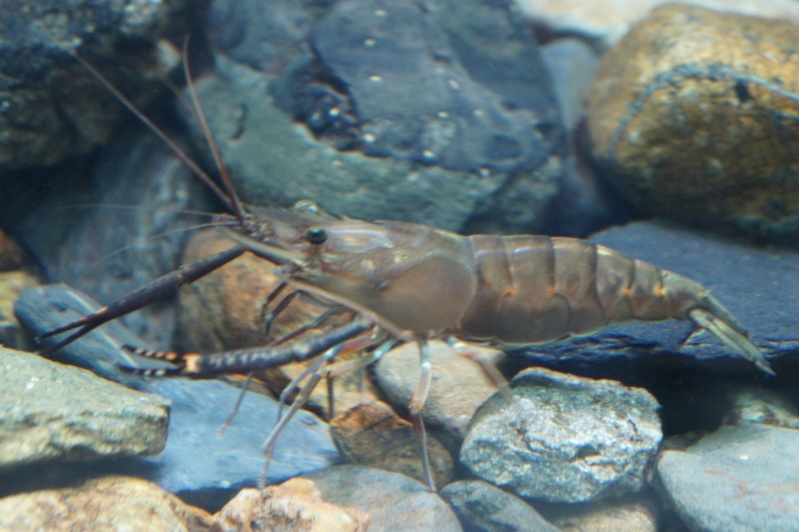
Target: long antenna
<point x="235" y="203"/>
<point x="199" y="172"/>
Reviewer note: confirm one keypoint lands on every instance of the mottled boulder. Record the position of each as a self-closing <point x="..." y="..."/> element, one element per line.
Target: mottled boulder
<point x="50" y="412"/>
<point x="739" y="478"/>
<point x="693" y="117"/>
<point x="392" y="500"/>
<point x="564" y="439"/>
<point x="105" y="503"/>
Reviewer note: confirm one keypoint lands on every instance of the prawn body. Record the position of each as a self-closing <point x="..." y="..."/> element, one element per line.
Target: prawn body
<point x="506" y="291"/>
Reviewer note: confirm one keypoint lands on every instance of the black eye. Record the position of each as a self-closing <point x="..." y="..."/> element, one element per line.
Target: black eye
<point x="316" y="235"/>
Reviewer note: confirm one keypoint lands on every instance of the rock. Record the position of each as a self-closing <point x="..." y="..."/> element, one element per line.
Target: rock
<point x="12" y="257"/>
<point x="755" y="284"/>
<point x="52" y="412"/>
<point x="12" y="284"/>
<point x="392" y="500"/>
<point x="459" y="383"/>
<point x="692" y="118"/>
<point x="133" y="232"/>
<point x="756" y="404"/>
<point x="481" y="506"/>
<point x="294" y="505"/>
<point x="224" y="311"/>
<point x="197" y="463"/>
<point x="52" y="107"/>
<point x="562" y="438"/>
<point x="602" y="24"/>
<point x="372" y="435"/>
<point x="106" y="503"/>
<point x="632" y="512"/>
<point x="387" y="99"/>
<point x="738" y="478"/>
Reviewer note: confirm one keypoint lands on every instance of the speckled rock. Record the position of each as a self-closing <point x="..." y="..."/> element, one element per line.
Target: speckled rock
<point x="51" y="106"/>
<point x="106" y="503"/>
<point x="563" y="438"/>
<point x="604" y="23"/>
<point x="459" y="384"/>
<point x="739" y="478"/>
<point x="52" y="412"/>
<point x="224" y="311"/>
<point x="483" y="507"/>
<point x="397" y="111"/>
<point x="373" y="435"/>
<point x="392" y="500"/>
<point x="693" y="117"/>
<point x="292" y="506"/>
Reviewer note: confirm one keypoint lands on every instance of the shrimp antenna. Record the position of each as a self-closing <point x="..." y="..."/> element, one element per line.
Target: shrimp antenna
<point x="185" y="159"/>
<point x="234" y="203"/>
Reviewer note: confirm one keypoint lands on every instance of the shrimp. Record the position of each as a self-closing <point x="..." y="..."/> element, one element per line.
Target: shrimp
<point x="410" y="282"/>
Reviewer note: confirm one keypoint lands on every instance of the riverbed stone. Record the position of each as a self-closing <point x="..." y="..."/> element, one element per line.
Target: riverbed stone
<point x="104" y="503"/>
<point x="741" y="477"/>
<point x="563" y="438"/>
<point x="692" y="116"/>
<point x="51" y="412"/>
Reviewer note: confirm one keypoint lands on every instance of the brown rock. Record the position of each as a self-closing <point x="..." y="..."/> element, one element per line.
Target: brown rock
<point x="295" y="505"/>
<point x="12" y="284"/>
<point x="459" y="384"/>
<point x="107" y="503"/>
<point x="224" y="310"/>
<point x="635" y="512"/>
<point x="693" y="115"/>
<point x="11" y="255"/>
<point x="373" y="435"/>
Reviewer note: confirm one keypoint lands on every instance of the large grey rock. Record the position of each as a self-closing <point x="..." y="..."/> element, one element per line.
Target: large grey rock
<point x="198" y="464"/>
<point x="563" y="438"/>
<point x="481" y="506"/>
<point x="51" y="412"/>
<point x="51" y="106"/>
<point x="740" y="478"/>
<point x="406" y="111"/>
<point x="393" y="501"/>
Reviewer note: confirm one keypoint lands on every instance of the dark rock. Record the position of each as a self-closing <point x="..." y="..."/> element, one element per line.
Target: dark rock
<point x="51" y="106"/>
<point x="739" y="478"/>
<point x="483" y="507"/>
<point x="393" y="501"/>
<point x="400" y="82"/>
<point x="197" y="464"/>
<point x="692" y="115"/>
<point x="562" y="438"/>
<point x="107" y="503"/>
<point x="51" y="412"/>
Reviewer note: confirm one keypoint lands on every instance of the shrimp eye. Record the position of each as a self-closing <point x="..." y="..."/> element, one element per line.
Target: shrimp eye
<point x="316" y="235"/>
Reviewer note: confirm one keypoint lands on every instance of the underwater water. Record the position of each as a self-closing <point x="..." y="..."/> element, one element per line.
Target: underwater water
<point x="563" y="369"/>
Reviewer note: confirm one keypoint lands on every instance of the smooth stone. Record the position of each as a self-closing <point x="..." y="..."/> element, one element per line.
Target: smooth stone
<point x="562" y="438"/>
<point x="740" y="478"/>
<point x="393" y="501"/>
<point x="483" y="507"/>
<point x="52" y="412"/>
<point x="105" y="503"/>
